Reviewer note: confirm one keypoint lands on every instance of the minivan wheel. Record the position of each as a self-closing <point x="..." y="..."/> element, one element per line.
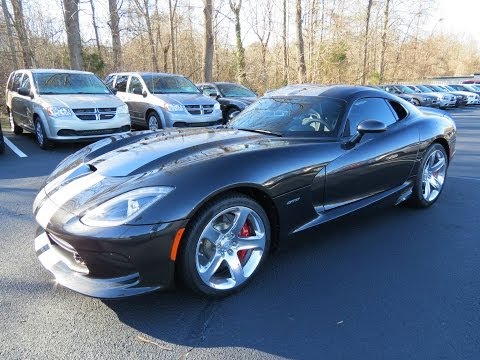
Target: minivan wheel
<point x="43" y="141"/>
<point x="153" y="121"/>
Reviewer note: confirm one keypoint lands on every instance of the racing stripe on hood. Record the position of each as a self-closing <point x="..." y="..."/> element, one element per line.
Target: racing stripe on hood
<point x="51" y="205"/>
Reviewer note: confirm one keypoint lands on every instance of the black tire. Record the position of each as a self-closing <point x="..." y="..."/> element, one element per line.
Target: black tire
<point x="17" y="130"/>
<point x="228" y="250"/>
<point x="153" y="118"/>
<point x="418" y="199"/>
<point x="43" y="141"/>
<point x="415" y="102"/>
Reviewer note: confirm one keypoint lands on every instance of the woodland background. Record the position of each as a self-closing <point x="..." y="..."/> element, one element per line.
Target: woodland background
<point x="262" y="43"/>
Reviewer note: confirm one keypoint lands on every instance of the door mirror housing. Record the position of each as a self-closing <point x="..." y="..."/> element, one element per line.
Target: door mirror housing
<point x="233" y="114"/>
<point x="213" y="94"/>
<point x="365" y="127"/>
<point x="25" y="92"/>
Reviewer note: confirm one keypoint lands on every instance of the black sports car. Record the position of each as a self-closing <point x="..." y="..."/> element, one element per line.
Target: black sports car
<point x="232" y="97"/>
<point x="128" y="214"/>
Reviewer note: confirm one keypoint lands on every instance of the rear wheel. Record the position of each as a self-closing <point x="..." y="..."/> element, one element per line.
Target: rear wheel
<point x="430" y="177"/>
<point x="43" y="141"/>
<point x="225" y="245"/>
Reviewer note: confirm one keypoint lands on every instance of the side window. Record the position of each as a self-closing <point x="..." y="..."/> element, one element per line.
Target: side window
<point x="208" y="89"/>
<point x="109" y="81"/>
<point x="10" y="81"/>
<point x="16" y="81"/>
<point x="26" y="83"/>
<point x="368" y="109"/>
<point x="121" y="84"/>
<point x="135" y="83"/>
<point x="400" y="111"/>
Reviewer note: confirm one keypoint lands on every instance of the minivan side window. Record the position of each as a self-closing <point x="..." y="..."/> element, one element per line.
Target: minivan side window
<point x="10" y="81"/>
<point x="26" y="83"/>
<point x="109" y="80"/>
<point x="16" y="81"/>
<point x="121" y="84"/>
<point x="134" y="83"/>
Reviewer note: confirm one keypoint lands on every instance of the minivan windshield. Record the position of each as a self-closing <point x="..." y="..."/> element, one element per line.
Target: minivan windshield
<point x="298" y="115"/>
<point x="68" y="83"/>
<point x="234" y="90"/>
<point x="167" y="84"/>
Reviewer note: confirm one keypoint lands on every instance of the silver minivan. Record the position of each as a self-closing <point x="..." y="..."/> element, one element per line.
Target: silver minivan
<point x="63" y="105"/>
<point x="158" y="100"/>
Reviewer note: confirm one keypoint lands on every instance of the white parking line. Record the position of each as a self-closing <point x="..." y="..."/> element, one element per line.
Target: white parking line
<point x="15" y="149"/>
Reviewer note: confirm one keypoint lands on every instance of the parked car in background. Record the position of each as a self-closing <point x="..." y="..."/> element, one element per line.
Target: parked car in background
<point x="63" y="105"/>
<point x="466" y="87"/>
<point x="460" y="99"/>
<point x="232" y="97"/>
<point x="158" y="100"/>
<point x="473" y="81"/>
<point x="406" y="97"/>
<point x="445" y="100"/>
<point x="417" y="99"/>
<point x="2" y="142"/>
<point x="472" y="98"/>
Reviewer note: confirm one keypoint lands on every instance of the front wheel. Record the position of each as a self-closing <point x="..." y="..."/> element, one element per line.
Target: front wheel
<point x="225" y="245"/>
<point x="153" y="121"/>
<point x="43" y="141"/>
<point x="430" y="177"/>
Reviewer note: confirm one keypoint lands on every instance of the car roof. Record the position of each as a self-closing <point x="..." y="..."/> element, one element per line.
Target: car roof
<point x="346" y="92"/>
<point x="54" y="71"/>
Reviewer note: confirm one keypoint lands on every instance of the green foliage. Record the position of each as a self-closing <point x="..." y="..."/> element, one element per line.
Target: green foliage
<point x="93" y="62"/>
<point x="374" y="78"/>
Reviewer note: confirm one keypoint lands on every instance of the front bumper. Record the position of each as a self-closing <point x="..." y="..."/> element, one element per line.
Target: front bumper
<point x="109" y="262"/>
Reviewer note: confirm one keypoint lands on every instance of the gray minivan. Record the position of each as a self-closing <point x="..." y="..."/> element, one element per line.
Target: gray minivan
<point x="158" y="100"/>
<point x="63" y="105"/>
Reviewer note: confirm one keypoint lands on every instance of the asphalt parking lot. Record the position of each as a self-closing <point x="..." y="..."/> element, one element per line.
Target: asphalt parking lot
<point x="395" y="283"/>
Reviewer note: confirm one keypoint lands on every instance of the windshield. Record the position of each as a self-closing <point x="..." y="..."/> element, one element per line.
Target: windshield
<point x="423" y="88"/>
<point x="475" y="87"/>
<point x="167" y="84"/>
<point x="234" y="90"/>
<point x="318" y="116"/>
<point x="405" y="89"/>
<point x="68" y="83"/>
<point x="448" y="87"/>
<point x="437" y="88"/>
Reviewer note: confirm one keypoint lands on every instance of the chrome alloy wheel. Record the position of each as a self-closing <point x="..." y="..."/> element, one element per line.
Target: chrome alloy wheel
<point x="39" y="132"/>
<point x="152" y="122"/>
<point x="433" y="175"/>
<point x="230" y="248"/>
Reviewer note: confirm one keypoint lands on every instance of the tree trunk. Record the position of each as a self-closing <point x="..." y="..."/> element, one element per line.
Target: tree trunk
<point x="95" y="27"/>
<point x="365" y="46"/>
<point x="21" y="30"/>
<point x="384" y="41"/>
<point x="73" y="34"/>
<point x="241" y="74"/>
<point x="11" y="40"/>
<point x="172" y="11"/>
<point x="115" y="29"/>
<point x="151" y="39"/>
<point x="208" y="41"/>
<point x="302" y="70"/>
<point x="285" y="44"/>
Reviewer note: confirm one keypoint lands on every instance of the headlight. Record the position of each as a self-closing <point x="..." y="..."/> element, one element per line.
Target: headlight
<point x="216" y="106"/>
<point x="122" y="109"/>
<point x="425" y="99"/>
<point x="124" y="207"/>
<point x="58" y="111"/>
<point x="173" y="107"/>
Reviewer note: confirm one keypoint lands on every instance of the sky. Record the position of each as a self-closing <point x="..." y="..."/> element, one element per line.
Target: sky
<point x="460" y="17"/>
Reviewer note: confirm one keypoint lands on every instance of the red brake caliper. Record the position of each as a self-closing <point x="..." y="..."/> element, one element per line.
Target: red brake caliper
<point x="244" y="233"/>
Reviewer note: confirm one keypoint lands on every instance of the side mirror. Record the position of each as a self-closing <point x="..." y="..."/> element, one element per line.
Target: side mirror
<point x="25" y="92"/>
<point x="365" y="127"/>
<point x="213" y="94"/>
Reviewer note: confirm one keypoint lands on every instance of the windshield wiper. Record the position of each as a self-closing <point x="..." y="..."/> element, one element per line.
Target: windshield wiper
<point x="260" y="131"/>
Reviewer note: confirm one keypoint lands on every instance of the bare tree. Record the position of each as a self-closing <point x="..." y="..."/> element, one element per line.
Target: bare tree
<point x="11" y="40"/>
<point x="285" y="43"/>
<point x="302" y="69"/>
<point x="143" y="7"/>
<point x="95" y="27"/>
<point x="114" y="23"/>
<point x="171" y="16"/>
<point x="384" y="40"/>
<point x="262" y="27"/>
<point x="236" y="6"/>
<point x="208" y="41"/>
<point x="21" y="30"/>
<point x="73" y="33"/>
<point x="365" y="44"/>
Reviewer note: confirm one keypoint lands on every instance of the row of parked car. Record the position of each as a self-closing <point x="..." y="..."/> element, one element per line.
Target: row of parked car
<point x="66" y="105"/>
<point x="440" y="96"/>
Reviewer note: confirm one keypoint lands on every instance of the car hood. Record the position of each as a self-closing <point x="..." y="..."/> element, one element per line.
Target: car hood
<point x="186" y="99"/>
<point x="82" y="101"/>
<point x="112" y="166"/>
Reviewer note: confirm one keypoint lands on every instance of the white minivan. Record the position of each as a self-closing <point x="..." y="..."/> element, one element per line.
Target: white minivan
<point x="63" y="105"/>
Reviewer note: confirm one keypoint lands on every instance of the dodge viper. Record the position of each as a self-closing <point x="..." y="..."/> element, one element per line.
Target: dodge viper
<point x="204" y="207"/>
